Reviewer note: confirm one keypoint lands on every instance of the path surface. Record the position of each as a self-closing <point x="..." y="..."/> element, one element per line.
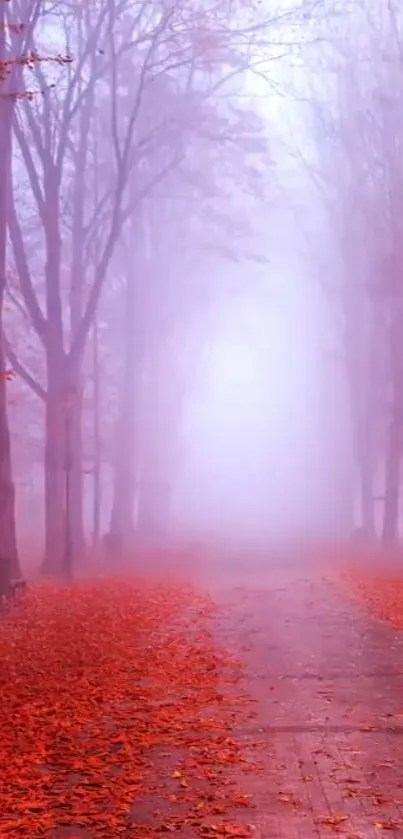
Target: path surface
<point x="328" y="685"/>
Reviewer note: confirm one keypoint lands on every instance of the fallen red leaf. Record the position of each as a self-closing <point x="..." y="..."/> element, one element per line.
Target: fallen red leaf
<point x="100" y="683"/>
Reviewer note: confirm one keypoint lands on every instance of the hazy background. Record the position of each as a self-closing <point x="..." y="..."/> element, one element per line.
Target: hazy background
<point x="267" y="453"/>
<point x="224" y="302"/>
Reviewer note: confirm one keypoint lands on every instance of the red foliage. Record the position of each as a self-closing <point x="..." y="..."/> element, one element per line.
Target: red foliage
<point x="114" y="715"/>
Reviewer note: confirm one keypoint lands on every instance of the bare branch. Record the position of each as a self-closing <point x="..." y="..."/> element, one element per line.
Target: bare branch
<point x="17" y="302"/>
<point x="27" y="289"/>
<point x="29" y="162"/>
<point x="23" y="372"/>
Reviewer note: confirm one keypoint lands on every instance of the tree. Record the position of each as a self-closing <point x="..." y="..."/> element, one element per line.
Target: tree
<point x="13" y="58"/>
<point x="357" y="115"/>
<point x="172" y="297"/>
<point x="95" y="117"/>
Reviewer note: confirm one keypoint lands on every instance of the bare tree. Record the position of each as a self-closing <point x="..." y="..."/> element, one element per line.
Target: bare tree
<point x="101" y="114"/>
<point x="17" y="23"/>
<point x="357" y="124"/>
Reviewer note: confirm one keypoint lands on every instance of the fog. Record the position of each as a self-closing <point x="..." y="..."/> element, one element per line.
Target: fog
<point x="201" y="417"/>
<point x="268" y="451"/>
<point x="199" y="320"/>
<point x="260" y="461"/>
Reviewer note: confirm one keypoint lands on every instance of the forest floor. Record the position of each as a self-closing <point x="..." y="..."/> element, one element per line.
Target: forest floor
<point x="265" y="703"/>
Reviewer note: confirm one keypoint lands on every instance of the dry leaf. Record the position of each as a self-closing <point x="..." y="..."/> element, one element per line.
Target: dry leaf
<point x="332" y="820"/>
<point x="80" y="709"/>
<point x="386" y="825"/>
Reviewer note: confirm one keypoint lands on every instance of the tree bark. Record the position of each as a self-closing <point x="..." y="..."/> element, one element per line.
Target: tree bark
<point x="54" y="478"/>
<point x="122" y="525"/>
<point x="77" y="477"/>
<point x="390" y="530"/>
<point x="63" y="399"/>
<point x="365" y="467"/>
<point x="8" y="538"/>
<point x="154" y="499"/>
<point x="96" y="408"/>
<point x="77" y="282"/>
<point x="159" y="447"/>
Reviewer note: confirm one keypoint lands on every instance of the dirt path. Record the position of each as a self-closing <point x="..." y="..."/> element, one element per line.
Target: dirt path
<point x="328" y="685"/>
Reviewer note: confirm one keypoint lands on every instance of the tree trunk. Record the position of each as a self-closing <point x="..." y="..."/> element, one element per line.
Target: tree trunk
<point x="77" y="282"/>
<point x="160" y="422"/>
<point x="390" y="530"/>
<point x="77" y="478"/>
<point x="154" y="500"/>
<point x="8" y="539"/>
<point x="161" y="444"/>
<point x="62" y="443"/>
<point x="54" y="479"/>
<point x="365" y="467"/>
<point x="122" y="526"/>
<point x="367" y="502"/>
<point x="96" y="408"/>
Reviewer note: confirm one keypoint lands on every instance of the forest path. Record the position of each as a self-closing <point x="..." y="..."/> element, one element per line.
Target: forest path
<point x="328" y="684"/>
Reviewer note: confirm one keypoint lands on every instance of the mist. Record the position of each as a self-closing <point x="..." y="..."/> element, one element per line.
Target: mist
<point x="196" y="336"/>
<point x="201" y="418"/>
<point x="257" y="464"/>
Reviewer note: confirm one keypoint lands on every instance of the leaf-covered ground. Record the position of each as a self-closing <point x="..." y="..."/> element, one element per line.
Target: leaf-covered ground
<point x="123" y="710"/>
<point x="117" y="716"/>
<point x="377" y="581"/>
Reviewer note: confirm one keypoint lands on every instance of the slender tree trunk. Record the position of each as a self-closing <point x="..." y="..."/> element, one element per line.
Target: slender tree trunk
<point x="76" y="293"/>
<point x="125" y="479"/>
<point x="369" y="429"/>
<point x="63" y="413"/>
<point x="148" y="526"/>
<point x="8" y="539"/>
<point x="367" y="502"/>
<point x="63" y="457"/>
<point x="161" y="419"/>
<point x="77" y="477"/>
<point x="154" y="501"/>
<point x="361" y="399"/>
<point x="55" y="425"/>
<point x="54" y="476"/>
<point x="158" y="456"/>
<point x="366" y="476"/>
<point x="390" y="530"/>
<point x="96" y="408"/>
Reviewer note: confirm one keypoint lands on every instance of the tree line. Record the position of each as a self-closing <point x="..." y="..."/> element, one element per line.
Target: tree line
<point x="125" y="131"/>
<point x="132" y="159"/>
<point x="354" y="91"/>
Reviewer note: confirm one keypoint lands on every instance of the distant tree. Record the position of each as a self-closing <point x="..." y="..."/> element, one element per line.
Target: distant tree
<point x="170" y="295"/>
<point x="357" y="119"/>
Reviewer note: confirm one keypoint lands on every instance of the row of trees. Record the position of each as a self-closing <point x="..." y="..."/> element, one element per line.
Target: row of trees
<point x="131" y="162"/>
<point x="356" y="118"/>
<point x="125" y="148"/>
